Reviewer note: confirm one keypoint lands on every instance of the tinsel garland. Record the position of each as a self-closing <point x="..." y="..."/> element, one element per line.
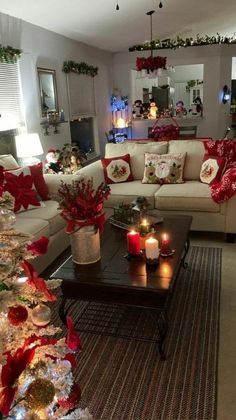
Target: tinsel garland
<point x="178" y="42"/>
<point x="79" y="68"/>
<point x="9" y="54"/>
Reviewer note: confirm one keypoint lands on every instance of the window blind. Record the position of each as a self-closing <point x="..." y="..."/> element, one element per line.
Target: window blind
<point x="11" y="104"/>
<point x="81" y="95"/>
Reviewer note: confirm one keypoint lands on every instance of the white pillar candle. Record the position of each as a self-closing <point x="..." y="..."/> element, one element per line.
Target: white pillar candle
<point x="152" y="248"/>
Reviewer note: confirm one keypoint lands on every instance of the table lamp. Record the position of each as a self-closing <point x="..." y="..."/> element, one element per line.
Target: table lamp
<point x="28" y="145"/>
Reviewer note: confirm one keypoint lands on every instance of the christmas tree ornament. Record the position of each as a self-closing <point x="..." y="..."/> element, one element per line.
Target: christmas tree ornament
<point x="39" y="394"/>
<point x="41" y="315"/>
<point x="17" y="315"/>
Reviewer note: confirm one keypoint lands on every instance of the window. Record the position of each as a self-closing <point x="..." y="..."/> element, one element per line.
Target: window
<point x="11" y="105"/>
<point x="81" y="95"/>
<point x="83" y="124"/>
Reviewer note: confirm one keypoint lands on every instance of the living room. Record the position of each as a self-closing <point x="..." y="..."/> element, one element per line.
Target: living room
<point x="46" y="49"/>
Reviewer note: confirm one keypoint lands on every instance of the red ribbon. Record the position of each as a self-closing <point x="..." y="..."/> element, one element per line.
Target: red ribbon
<point x="98" y="221"/>
<point x="38" y="282"/>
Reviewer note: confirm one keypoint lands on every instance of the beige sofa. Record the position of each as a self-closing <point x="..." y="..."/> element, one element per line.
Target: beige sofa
<point x="193" y="197"/>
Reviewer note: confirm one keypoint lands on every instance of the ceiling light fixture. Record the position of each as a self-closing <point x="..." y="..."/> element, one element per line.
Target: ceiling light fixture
<point x="117" y="6"/>
<point x="160" y="5"/>
<point x="151" y="64"/>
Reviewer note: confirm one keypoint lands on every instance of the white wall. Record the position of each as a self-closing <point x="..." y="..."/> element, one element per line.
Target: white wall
<point x="217" y="61"/>
<point x="42" y="48"/>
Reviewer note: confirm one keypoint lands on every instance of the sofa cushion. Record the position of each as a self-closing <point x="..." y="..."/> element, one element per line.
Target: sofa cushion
<point x="39" y="181"/>
<point x="136" y="151"/>
<point x="190" y="196"/>
<point x="129" y="191"/>
<point x="163" y="169"/>
<point x="195" y="152"/>
<point x="117" y="169"/>
<point x="8" y="162"/>
<point x="33" y="226"/>
<point x="49" y="213"/>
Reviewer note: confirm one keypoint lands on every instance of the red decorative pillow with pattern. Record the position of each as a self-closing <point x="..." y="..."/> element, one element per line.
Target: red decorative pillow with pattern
<point x="212" y="169"/>
<point x="19" y="183"/>
<point x="117" y="169"/>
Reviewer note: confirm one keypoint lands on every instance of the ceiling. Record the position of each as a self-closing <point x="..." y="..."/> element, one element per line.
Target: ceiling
<point x="97" y="23"/>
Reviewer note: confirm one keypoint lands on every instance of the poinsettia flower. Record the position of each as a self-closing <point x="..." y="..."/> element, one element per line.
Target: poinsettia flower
<point x="38" y="282"/>
<point x="15" y="365"/>
<point x="72" y="339"/>
<point x="39" y="247"/>
<point x="20" y="187"/>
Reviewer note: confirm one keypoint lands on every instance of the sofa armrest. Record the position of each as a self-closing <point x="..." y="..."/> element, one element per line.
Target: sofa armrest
<point x="230" y="222"/>
<point x="93" y="170"/>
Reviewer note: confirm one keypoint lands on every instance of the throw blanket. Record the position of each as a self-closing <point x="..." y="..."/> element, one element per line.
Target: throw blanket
<point x="226" y="188"/>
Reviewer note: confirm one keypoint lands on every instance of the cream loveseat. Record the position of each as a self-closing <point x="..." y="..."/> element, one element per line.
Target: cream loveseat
<point x="192" y="197"/>
<point x="43" y="221"/>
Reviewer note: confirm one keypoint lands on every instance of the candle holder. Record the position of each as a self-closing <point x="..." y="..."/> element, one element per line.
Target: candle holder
<point x="152" y="261"/>
<point x="166" y="251"/>
<point x="130" y="257"/>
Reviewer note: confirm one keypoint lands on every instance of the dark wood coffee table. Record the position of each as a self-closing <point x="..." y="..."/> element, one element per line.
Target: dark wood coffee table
<point x="118" y="280"/>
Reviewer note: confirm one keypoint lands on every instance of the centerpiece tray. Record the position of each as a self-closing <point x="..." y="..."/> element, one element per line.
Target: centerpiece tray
<point x="153" y="220"/>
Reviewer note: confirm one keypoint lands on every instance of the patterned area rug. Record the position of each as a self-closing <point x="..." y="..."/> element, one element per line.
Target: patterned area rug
<point x="124" y="379"/>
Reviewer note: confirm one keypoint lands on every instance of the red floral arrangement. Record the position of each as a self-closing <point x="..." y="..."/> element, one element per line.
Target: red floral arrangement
<point x="82" y="205"/>
<point x="165" y="132"/>
<point x="150" y="63"/>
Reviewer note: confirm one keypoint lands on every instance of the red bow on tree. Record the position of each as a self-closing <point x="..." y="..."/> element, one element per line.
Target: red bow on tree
<point x="72" y="339"/>
<point x="38" y="282"/>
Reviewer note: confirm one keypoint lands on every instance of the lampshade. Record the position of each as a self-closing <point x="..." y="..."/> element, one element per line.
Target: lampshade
<point x="28" y="145"/>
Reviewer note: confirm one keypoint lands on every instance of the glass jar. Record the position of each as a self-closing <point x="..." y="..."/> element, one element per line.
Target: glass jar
<point x="7" y="218"/>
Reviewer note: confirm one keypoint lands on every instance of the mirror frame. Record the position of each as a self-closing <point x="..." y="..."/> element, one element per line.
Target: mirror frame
<point x="43" y="71"/>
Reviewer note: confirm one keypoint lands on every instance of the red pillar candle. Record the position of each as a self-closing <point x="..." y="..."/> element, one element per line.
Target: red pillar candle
<point x="165" y="246"/>
<point x="133" y="242"/>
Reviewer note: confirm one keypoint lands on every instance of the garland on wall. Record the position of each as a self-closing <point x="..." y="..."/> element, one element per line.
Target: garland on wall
<point x="9" y="54"/>
<point x="79" y="68"/>
<point x="187" y="42"/>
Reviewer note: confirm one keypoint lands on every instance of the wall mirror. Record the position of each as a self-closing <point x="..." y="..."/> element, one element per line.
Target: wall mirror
<point x="48" y="90"/>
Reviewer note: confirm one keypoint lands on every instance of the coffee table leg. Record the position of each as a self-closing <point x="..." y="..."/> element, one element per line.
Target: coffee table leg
<point x="186" y="249"/>
<point x="62" y="312"/>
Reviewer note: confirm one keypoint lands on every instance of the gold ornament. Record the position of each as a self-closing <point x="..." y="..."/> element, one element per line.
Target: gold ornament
<point x="41" y="315"/>
<point x="39" y="394"/>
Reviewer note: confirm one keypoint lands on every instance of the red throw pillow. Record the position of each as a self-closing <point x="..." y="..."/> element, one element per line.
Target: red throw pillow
<point x="117" y="169"/>
<point x="39" y="181"/>
<point x="212" y="169"/>
<point x="20" y="185"/>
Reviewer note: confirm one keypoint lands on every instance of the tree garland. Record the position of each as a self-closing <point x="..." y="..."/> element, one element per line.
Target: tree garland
<point x="187" y="42"/>
<point x="79" y="68"/>
<point x="9" y="54"/>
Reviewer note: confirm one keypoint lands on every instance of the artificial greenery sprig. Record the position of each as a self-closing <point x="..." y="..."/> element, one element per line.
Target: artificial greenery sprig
<point x="79" y="68"/>
<point x="187" y="42"/>
<point x="9" y="54"/>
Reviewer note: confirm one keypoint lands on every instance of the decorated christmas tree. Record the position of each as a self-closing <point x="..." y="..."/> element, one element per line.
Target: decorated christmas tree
<point x="36" y="380"/>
